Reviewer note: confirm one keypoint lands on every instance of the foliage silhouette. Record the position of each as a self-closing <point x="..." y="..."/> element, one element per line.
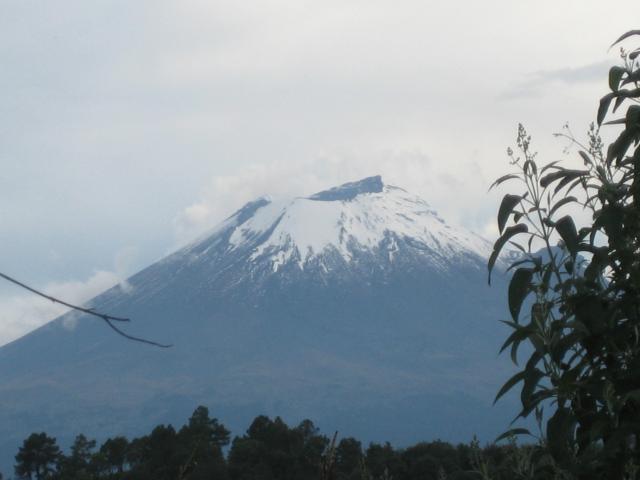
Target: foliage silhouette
<point x="270" y="449"/>
<point x="38" y="457"/>
<point x="581" y="292"/>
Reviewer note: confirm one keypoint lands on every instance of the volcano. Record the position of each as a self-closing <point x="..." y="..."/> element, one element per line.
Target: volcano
<point x="358" y="307"/>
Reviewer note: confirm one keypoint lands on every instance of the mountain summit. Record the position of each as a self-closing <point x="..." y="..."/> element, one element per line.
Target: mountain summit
<point x="358" y="307"/>
<point x="349" y="191"/>
<point x="332" y="228"/>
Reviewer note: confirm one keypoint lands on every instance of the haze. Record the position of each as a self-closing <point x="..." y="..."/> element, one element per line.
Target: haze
<point x="131" y="127"/>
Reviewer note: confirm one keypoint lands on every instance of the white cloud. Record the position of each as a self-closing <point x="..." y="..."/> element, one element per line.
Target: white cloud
<point x="535" y="82"/>
<point x="23" y="311"/>
<point x="124" y="260"/>
<point x="455" y="189"/>
<point x="70" y="321"/>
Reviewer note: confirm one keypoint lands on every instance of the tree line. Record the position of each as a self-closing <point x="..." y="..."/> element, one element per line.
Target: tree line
<point x="269" y="450"/>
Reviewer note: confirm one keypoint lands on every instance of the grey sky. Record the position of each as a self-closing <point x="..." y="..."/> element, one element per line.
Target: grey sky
<point x="534" y="83"/>
<point x="129" y="127"/>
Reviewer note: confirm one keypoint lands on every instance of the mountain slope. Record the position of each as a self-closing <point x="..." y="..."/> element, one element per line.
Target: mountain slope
<point x="358" y="307"/>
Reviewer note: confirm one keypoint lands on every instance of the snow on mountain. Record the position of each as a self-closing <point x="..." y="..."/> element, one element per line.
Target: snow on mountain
<point x="355" y="216"/>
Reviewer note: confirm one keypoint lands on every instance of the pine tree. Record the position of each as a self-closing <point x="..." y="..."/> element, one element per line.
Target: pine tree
<point x="38" y="457"/>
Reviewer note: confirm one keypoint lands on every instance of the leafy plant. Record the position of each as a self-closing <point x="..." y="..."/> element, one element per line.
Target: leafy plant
<point x="574" y="296"/>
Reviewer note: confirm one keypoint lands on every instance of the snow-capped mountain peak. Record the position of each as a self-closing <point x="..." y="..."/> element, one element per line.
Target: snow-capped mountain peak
<point x="365" y="215"/>
<point x="354" y="303"/>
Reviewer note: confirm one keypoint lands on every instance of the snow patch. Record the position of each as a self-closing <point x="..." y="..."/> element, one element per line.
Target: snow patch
<point x="304" y="228"/>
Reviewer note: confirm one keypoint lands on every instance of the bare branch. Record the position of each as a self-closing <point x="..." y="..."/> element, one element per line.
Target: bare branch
<point x="108" y="319"/>
<point x="136" y="339"/>
<point x="89" y="311"/>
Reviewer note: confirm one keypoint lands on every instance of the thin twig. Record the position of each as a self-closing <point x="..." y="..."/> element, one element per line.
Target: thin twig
<point x="56" y="300"/>
<point x="136" y="339"/>
<point x="89" y="311"/>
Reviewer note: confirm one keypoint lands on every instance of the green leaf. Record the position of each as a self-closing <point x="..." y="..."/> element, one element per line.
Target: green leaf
<point x="564" y="182"/>
<point x="615" y="75"/>
<point x="590" y="311"/>
<point x="518" y="377"/>
<point x="598" y="263"/>
<point x="568" y="265"/>
<point x="632" y="77"/>
<point x="573" y="185"/>
<point x="622" y="95"/>
<point x="531" y="379"/>
<point x="506" y="236"/>
<point x="504" y="178"/>
<point x="514" y="349"/>
<point x="559" y="349"/>
<point x="519" y="288"/>
<point x="582" y="234"/>
<point x="625" y="36"/>
<point x="518" y="246"/>
<point x="520" y="262"/>
<point x="618" y="102"/>
<point x="516" y="337"/>
<point x="561" y="203"/>
<point x="604" y="107"/>
<point x="506" y="207"/>
<point x="512" y="433"/>
<point x="530" y="167"/>
<point x="549" y="178"/>
<point x="585" y="157"/>
<point x="560" y="431"/>
<point x="618" y="121"/>
<point x="567" y="230"/>
<point x="632" y="119"/>
<point x="549" y="165"/>
<point x="534" y="403"/>
<point x="618" y="148"/>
